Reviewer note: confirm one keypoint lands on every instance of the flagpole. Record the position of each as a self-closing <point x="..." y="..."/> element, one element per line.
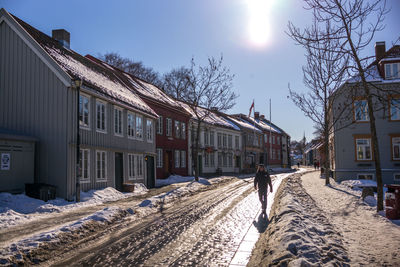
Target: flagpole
<point x="270" y="136"/>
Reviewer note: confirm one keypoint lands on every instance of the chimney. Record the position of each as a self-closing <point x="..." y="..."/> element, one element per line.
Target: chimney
<point x="62" y="36"/>
<point x="380" y="49"/>
<point x="262" y="117"/>
<point x="256" y="115"/>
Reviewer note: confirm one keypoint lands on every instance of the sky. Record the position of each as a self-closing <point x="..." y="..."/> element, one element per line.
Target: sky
<point x="166" y="34"/>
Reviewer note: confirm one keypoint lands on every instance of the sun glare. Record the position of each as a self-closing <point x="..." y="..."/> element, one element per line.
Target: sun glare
<point x="259" y="25"/>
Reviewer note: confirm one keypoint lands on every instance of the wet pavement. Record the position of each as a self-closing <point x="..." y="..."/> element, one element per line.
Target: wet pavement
<point x="214" y="228"/>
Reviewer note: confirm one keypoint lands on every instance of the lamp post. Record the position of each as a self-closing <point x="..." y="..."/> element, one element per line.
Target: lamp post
<point x="78" y="84"/>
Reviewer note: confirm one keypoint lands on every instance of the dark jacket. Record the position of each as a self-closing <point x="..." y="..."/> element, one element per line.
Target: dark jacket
<point x="262" y="180"/>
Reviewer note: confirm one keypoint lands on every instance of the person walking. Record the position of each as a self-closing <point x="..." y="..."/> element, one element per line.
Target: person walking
<point x="261" y="181"/>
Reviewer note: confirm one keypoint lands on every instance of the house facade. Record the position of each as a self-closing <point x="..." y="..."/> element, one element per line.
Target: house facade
<point x="171" y="128"/>
<point x="38" y="99"/>
<point x="352" y="154"/>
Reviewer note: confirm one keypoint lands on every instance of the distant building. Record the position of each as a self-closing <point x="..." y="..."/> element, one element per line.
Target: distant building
<point x="352" y="154"/>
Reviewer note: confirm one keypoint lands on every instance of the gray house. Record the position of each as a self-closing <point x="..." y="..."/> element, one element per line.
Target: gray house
<point x="38" y="100"/>
<point x="352" y="154"/>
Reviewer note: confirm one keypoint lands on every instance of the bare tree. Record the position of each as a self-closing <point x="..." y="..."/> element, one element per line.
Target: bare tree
<point x="355" y="24"/>
<point x="323" y="74"/>
<point x="207" y="89"/>
<point x="175" y="82"/>
<point x="135" y="68"/>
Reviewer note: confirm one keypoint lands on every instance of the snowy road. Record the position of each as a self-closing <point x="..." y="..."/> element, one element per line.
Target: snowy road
<point x="205" y="229"/>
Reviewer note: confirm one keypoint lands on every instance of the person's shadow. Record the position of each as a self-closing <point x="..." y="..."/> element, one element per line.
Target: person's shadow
<point x="262" y="223"/>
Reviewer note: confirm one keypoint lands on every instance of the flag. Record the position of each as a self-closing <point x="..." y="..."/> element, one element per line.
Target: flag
<point x="252" y="107"/>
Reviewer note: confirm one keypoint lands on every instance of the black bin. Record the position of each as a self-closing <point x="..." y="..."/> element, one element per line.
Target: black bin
<point x="40" y="191"/>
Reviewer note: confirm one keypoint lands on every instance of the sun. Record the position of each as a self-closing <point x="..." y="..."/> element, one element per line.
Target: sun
<point x="259" y="25"/>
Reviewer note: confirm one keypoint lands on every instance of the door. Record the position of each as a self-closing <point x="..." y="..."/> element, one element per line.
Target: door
<point x="151" y="181"/>
<point x="168" y="162"/>
<point x="119" y="171"/>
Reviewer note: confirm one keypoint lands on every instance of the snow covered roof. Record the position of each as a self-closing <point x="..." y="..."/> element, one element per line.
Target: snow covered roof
<point x="243" y="123"/>
<point x="94" y="76"/>
<point x="141" y="87"/>
<point x="372" y="73"/>
<point x="213" y="118"/>
<point x="263" y="125"/>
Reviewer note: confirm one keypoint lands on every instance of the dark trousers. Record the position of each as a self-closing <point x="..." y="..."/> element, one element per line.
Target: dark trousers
<point x="262" y="195"/>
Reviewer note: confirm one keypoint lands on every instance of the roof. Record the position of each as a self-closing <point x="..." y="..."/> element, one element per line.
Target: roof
<point x="212" y="118"/>
<point x="94" y="76"/>
<point x="263" y="125"/>
<point x="140" y="86"/>
<point x="242" y="123"/>
<point x="372" y="73"/>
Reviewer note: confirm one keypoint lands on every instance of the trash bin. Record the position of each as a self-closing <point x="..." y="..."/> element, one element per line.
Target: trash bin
<point x="392" y="201"/>
<point x="40" y="191"/>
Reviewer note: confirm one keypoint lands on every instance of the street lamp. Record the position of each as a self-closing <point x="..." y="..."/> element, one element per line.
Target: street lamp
<point x="77" y="83"/>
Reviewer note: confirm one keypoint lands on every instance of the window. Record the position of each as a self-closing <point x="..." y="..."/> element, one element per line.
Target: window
<point x="365" y="176"/>
<point x="206" y="159"/>
<point x="219" y="159"/>
<point x="279" y="154"/>
<point x="219" y="141"/>
<point x="139" y="127"/>
<point x="237" y="142"/>
<point x="229" y="141"/>
<point x="211" y="138"/>
<point x="224" y="140"/>
<point x="177" y="158"/>
<point x="224" y="159"/>
<point x="206" y="138"/>
<point x="149" y="130"/>
<point x="395" y="109"/>
<point x="177" y="129"/>
<point x="392" y="70"/>
<point x="135" y="166"/>
<point x="363" y="149"/>
<point x="159" y="162"/>
<point x="169" y="127"/>
<point x="396" y="177"/>
<point x="84" y="161"/>
<point x="84" y="111"/>
<point x="183" y="125"/>
<point x="101" y="116"/>
<point x="118" y="121"/>
<point x="183" y="159"/>
<point x="395" y="148"/>
<point x="101" y="166"/>
<point x="130" y="125"/>
<point x="278" y="140"/>
<point x="361" y="110"/>
<point x="160" y="125"/>
<point x="273" y="139"/>
<point x="212" y="159"/>
<point x="230" y="159"/>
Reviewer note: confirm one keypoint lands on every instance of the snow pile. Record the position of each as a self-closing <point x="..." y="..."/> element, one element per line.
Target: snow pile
<point x="174" y="179"/>
<point x="358" y="184"/>
<point x="298" y="234"/>
<point x="17" y="209"/>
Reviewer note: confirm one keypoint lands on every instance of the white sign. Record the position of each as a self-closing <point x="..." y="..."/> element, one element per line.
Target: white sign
<point x="5" y="161"/>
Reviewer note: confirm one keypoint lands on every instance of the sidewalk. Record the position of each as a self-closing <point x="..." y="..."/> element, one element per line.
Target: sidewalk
<point x="369" y="238"/>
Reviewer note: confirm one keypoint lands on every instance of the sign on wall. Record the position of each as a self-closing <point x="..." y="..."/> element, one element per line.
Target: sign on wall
<point x="5" y="161"/>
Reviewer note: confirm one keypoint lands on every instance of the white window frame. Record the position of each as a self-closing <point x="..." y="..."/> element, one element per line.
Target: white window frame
<point x="149" y="131"/>
<point x="177" y="158"/>
<point x="101" y="179"/>
<point x="230" y="141"/>
<point x="237" y="142"/>
<point x="224" y="160"/>
<point x="212" y="159"/>
<point x="98" y="104"/>
<point x="160" y="125"/>
<point x="168" y="127"/>
<point x="391" y="72"/>
<point x="224" y="141"/>
<point x="219" y="140"/>
<point x="394" y="176"/>
<point x="130" y="129"/>
<point x="394" y="145"/>
<point x="159" y="163"/>
<point x="364" y="149"/>
<point x="135" y="166"/>
<point x="212" y="138"/>
<point x="177" y="129"/>
<point x="81" y="122"/>
<point x="366" y="174"/>
<point x="361" y="110"/>
<point x="206" y="159"/>
<point x="131" y="167"/>
<point x="183" y="159"/>
<point x="139" y="130"/>
<point x="120" y="111"/>
<point x="82" y="166"/>
<point x="206" y="138"/>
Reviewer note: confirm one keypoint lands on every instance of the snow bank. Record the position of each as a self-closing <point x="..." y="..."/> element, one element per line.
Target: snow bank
<point x="175" y="179"/>
<point x="358" y="184"/>
<point x="298" y="234"/>
<point x="17" y="209"/>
